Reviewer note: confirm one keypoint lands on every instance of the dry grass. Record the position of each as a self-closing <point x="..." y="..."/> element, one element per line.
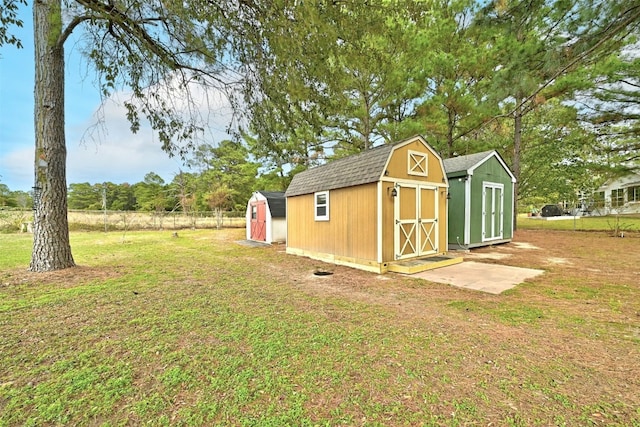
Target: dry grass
<point x="14" y="220"/>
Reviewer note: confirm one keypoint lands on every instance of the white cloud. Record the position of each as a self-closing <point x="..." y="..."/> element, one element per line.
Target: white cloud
<point x="102" y="147"/>
<point x="16" y="169"/>
<point x="118" y="156"/>
<point x="111" y="152"/>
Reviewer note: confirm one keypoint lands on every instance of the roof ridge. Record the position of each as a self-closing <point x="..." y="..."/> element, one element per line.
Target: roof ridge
<point x="361" y="168"/>
<point x="357" y="169"/>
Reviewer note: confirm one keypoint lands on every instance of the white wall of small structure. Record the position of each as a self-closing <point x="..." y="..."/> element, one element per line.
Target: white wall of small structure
<point x="278" y="230"/>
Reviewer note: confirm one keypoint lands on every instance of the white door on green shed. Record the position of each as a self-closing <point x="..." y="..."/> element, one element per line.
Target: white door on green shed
<point x="492" y="211"/>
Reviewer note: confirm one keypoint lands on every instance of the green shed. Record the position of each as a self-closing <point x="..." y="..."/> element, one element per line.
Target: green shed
<point x="481" y="191"/>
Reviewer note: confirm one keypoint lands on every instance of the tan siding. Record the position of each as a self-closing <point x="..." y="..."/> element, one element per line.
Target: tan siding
<point x="398" y="167"/>
<point x="350" y="236"/>
<point x="387" y="222"/>
<point x="442" y="220"/>
<point x="351" y="230"/>
<point x="298" y="211"/>
<point x="355" y="232"/>
<point x="436" y="172"/>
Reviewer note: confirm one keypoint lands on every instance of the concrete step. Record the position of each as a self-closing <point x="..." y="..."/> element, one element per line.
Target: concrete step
<point x="417" y="265"/>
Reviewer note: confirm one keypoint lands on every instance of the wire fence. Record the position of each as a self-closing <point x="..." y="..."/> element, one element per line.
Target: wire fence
<point x="22" y="221"/>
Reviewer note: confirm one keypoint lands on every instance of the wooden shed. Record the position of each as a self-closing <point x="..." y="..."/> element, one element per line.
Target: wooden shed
<point x="267" y="217"/>
<point x="481" y="188"/>
<point x="372" y="210"/>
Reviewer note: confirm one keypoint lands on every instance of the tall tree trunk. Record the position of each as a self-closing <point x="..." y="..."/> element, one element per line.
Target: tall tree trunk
<point x="517" y="141"/>
<point x="51" y="247"/>
<point x="366" y="122"/>
<point x="450" y="125"/>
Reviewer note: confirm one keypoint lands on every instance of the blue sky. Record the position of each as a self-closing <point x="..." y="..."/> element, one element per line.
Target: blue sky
<point x="111" y="154"/>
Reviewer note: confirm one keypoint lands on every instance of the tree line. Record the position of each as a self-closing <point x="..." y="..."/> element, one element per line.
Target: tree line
<point x="222" y="178"/>
<point x="219" y="178"/>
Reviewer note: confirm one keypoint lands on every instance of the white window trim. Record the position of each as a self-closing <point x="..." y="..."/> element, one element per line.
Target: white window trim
<point x="492" y="186"/>
<point x="415" y="162"/>
<point x="619" y="199"/>
<point x="315" y="206"/>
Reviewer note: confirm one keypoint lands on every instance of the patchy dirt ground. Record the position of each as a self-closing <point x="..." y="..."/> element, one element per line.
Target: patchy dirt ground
<point x="586" y="273"/>
<point x="593" y="259"/>
<point x="584" y="310"/>
<point x="561" y="346"/>
<point x="587" y="305"/>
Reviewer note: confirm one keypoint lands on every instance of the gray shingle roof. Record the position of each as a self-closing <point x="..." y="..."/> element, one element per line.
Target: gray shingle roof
<point x="464" y="163"/>
<point x="277" y="203"/>
<point x="358" y="169"/>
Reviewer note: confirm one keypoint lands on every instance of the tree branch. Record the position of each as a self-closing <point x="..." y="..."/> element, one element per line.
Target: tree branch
<point x="633" y="17"/>
<point x="110" y="12"/>
<point x="135" y="29"/>
<point x="69" y="29"/>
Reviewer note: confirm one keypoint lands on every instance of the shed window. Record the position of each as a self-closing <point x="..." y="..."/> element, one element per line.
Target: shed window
<point x="417" y="163"/>
<point x="321" y="206"/>
<point x="254" y="212"/>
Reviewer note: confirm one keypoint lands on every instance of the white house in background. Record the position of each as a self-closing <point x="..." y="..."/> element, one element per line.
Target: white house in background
<point x="267" y="217"/>
<point x="618" y="196"/>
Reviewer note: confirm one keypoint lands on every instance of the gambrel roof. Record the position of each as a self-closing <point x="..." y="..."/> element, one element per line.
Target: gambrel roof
<point x="358" y="169"/>
<point x="464" y="165"/>
<point x="277" y="203"/>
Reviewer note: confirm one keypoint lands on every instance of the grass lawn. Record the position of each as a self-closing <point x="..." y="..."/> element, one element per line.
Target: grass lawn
<point x="199" y="330"/>
<point x="612" y="223"/>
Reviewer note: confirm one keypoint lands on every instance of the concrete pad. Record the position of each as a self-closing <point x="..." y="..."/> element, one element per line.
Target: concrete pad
<point x="252" y="243"/>
<point x="555" y="218"/>
<point x="491" y="278"/>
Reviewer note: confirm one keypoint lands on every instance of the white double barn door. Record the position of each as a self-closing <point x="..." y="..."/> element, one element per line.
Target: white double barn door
<point x="416" y="221"/>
